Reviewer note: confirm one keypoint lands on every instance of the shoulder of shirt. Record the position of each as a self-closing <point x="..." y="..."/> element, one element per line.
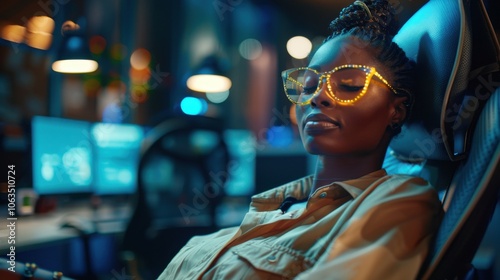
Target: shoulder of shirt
<point x="407" y="178"/>
<point x="407" y="182"/>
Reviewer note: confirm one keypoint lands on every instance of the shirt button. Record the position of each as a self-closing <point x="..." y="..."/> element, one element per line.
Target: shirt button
<point x="322" y="195"/>
<point x="271" y="259"/>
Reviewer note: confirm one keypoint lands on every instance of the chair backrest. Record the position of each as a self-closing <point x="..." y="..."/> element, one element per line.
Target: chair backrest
<point x="471" y="199"/>
<point x="190" y="153"/>
<point x="451" y="139"/>
<point x="182" y="171"/>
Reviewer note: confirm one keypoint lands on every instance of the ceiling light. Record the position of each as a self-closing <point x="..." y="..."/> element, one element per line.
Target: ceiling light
<point x="74" y="55"/>
<point x="209" y="77"/>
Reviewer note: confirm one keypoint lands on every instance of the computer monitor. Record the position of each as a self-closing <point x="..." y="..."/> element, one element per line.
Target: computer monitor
<point x="61" y="156"/>
<point x="116" y="157"/>
<point x="241" y="145"/>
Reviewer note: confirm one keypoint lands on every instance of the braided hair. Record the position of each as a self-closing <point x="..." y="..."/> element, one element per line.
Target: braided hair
<point x="374" y="22"/>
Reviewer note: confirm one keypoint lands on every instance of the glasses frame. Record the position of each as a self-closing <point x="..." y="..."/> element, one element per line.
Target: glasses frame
<point x="369" y="70"/>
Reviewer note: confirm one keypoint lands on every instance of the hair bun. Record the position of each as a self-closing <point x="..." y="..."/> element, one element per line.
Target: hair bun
<point x="377" y="16"/>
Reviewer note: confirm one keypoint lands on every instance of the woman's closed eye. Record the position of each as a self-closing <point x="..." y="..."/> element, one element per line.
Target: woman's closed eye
<point x="310" y="83"/>
<point x="349" y="88"/>
<point x="348" y="85"/>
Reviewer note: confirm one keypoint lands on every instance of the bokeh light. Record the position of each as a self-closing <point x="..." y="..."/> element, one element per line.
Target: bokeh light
<point x="112" y="113"/>
<point x="250" y="49"/>
<point x="217" y="97"/>
<point x="117" y="86"/>
<point x="279" y="136"/>
<point x="97" y="44"/>
<point x="299" y="47"/>
<point x="139" y="94"/>
<point x="140" y="77"/>
<point x="193" y="106"/>
<point x="140" y="59"/>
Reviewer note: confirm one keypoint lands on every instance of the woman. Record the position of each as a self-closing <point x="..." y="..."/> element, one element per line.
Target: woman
<point x="349" y="220"/>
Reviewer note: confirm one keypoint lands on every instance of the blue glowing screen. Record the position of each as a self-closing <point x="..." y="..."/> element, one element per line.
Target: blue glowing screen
<point x="62" y="156"/>
<point x="71" y="156"/>
<point x="117" y="150"/>
<point x="242" y="149"/>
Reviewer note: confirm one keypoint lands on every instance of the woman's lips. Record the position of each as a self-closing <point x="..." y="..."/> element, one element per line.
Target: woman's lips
<point x="316" y="123"/>
<point x="315" y="127"/>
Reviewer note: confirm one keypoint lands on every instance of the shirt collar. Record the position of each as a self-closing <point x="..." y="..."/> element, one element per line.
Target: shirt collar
<point x="301" y="189"/>
<point x="356" y="186"/>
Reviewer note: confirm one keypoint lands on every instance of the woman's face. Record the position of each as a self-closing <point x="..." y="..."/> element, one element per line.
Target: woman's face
<point x="328" y="127"/>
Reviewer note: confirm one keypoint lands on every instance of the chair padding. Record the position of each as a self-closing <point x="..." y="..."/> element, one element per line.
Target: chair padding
<point x="437" y="39"/>
<point x="471" y="198"/>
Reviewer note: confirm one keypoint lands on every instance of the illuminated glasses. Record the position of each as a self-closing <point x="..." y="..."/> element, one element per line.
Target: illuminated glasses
<point x="346" y="84"/>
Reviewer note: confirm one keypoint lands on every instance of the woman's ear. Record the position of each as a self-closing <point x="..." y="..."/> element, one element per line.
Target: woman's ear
<point x="399" y="112"/>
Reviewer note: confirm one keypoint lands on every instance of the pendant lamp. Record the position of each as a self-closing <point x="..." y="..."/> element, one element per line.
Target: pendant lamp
<point x="74" y="54"/>
<point x="209" y="77"/>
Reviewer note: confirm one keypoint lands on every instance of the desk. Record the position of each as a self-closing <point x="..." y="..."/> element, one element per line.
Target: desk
<point x="39" y="229"/>
<point x="40" y="238"/>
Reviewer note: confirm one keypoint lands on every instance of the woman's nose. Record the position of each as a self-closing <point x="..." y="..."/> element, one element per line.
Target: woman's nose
<point x="322" y="98"/>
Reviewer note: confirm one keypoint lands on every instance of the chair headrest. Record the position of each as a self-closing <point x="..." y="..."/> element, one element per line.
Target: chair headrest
<point x="435" y="37"/>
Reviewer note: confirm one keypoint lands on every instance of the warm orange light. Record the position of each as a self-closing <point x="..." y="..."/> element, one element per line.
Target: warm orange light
<point x="139" y="76"/>
<point x="117" y="86"/>
<point x="39" y="32"/>
<point x="36" y="34"/>
<point x="140" y="59"/>
<point x="42" y="24"/>
<point x="13" y="33"/>
<point x="38" y="40"/>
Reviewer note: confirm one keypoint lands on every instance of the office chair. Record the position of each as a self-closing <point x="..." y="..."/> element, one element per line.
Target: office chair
<point x="453" y="137"/>
<point x="181" y="176"/>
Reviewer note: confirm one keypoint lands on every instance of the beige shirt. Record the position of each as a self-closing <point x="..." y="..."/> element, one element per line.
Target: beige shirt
<point x="374" y="227"/>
